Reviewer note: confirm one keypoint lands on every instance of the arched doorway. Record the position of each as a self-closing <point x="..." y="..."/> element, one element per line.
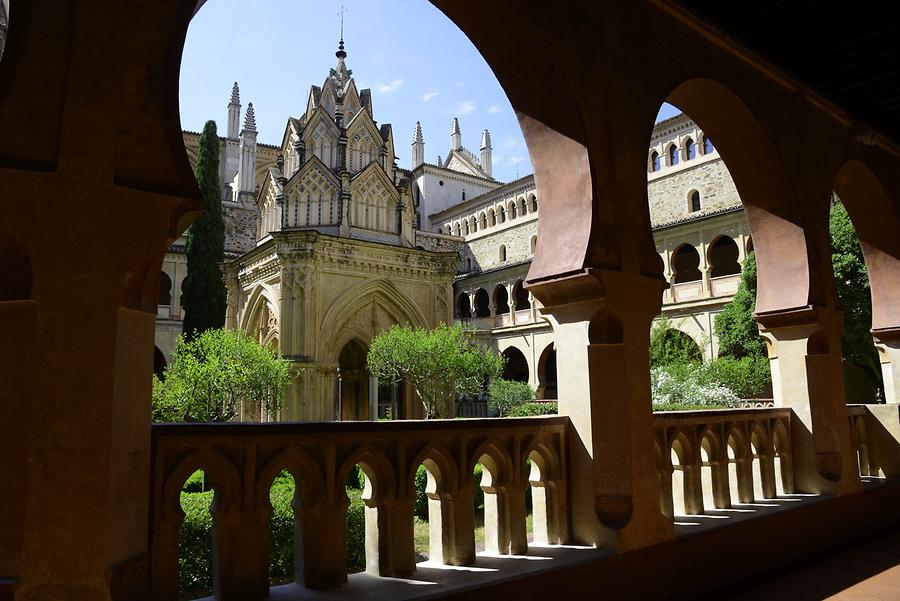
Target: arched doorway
<point x="516" y="365"/>
<point x="354" y="382"/>
<point x="547" y="374"/>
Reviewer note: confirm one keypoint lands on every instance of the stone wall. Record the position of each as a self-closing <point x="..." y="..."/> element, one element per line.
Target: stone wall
<point x="669" y="195"/>
<point x="484" y="251"/>
<point x="240" y="227"/>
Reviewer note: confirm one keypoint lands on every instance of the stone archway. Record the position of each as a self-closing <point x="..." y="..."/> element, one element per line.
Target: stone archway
<point x="516" y="365"/>
<point x="354" y="382"/>
<point x="547" y="374"/>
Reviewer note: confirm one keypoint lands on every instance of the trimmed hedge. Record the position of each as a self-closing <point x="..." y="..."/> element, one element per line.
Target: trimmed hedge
<point x="527" y="409"/>
<point x="195" y="540"/>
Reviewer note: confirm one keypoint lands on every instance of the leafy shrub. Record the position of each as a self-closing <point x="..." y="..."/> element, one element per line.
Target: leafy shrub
<point x="195" y="483"/>
<point x="503" y="395"/>
<point x="670" y="346"/>
<point x="667" y="389"/>
<point x="195" y="543"/>
<point x="281" y="529"/>
<point x="527" y="409"/>
<point x="421" y="482"/>
<point x="748" y="377"/>
<point x="479" y="494"/>
<point x="356" y="479"/>
<point x="356" y="532"/>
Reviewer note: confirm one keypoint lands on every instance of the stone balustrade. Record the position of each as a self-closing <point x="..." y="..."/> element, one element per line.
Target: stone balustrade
<point x="241" y="461"/>
<point x="717" y="458"/>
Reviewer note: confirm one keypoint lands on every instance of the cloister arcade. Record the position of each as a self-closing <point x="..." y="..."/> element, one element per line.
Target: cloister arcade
<point x="90" y="103"/>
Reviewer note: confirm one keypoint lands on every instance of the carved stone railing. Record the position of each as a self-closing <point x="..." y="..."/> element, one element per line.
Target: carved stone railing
<point x="716" y="458"/>
<point x="241" y="461"/>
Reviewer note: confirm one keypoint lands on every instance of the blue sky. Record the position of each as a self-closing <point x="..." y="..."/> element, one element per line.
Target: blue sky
<point x="418" y="64"/>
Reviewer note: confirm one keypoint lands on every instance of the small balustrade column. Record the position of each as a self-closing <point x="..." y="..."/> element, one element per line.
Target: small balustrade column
<point x="602" y="340"/>
<point x="807" y="375"/>
<point x="496" y="520"/>
<point x="320" y="535"/>
<point x="451" y="526"/>
<point x="692" y="490"/>
<point x="241" y="571"/>
<point x="392" y="553"/>
<point x="545" y="512"/>
<point x="516" y="518"/>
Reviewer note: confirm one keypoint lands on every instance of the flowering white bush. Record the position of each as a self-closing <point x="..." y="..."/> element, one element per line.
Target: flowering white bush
<point x="666" y="389"/>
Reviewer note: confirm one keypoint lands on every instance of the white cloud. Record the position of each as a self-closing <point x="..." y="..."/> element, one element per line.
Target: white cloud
<point x="494" y="109"/>
<point x="465" y="107"/>
<point x="430" y="95"/>
<point x="387" y="88"/>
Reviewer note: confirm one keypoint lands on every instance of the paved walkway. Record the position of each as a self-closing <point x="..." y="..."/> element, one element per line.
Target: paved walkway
<point x="868" y="571"/>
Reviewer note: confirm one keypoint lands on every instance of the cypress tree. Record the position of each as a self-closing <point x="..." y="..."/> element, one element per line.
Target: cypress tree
<point x="204" y="290"/>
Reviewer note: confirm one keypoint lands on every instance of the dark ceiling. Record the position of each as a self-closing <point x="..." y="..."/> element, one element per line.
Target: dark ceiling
<point x="847" y="51"/>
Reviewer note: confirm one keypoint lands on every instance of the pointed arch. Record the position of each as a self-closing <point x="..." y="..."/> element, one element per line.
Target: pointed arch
<point x="337" y="327"/>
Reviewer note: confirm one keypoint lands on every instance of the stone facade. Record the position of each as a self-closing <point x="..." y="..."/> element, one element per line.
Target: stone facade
<point x="323" y="250"/>
<point x="701" y="246"/>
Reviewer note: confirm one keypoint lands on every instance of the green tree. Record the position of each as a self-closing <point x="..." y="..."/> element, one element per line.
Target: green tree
<point x="669" y="345"/>
<point x="735" y="327"/>
<point x="204" y="290"/>
<point x="852" y="281"/>
<point x="213" y="374"/>
<point x="441" y="364"/>
<point x="505" y="395"/>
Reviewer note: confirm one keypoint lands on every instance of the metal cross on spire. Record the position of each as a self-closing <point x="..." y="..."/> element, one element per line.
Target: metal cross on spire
<point x="341" y="15"/>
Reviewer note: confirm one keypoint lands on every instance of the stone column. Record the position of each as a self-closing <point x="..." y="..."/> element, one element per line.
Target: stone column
<point x="451" y="524"/>
<point x="807" y="375"/>
<point x="602" y="345"/>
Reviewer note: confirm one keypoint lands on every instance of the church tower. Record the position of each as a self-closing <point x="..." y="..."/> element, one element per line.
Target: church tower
<point x="455" y="135"/>
<point x="418" y="147"/>
<point x="486" y="153"/>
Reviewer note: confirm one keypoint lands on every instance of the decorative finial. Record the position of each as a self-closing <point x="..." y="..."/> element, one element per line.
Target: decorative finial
<point x="486" y="139"/>
<point x="235" y="94"/>
<point x="250" y="118"/>
<point x="418" y="136"/>
<point x="454" y="129"/>
<point x="340" y="53"/>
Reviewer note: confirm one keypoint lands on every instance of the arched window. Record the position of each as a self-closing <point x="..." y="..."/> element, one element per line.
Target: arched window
<point x="533" y="204"/>
<point x="502" y="253"/>
<point x="482" y="303"/>
<point x="512" y="210"/>
<point x="723" y="256"/>
<point x="686" y="264"/>
<point x="467" y="228"/>
<point x="483" y="219"/>
<point x="708" y="147"/>
<point x="492" y="217"/>
<point x="690" y="149"/>
<point x="501" y="300"/>
<point x="655" y="162"/>
<point x="462" y="304"/>
<point x="695" y="201"/>
<point x="165" y="289"/>
<point x="523" y="208"/>
<point x="501" y="214"/>
<point x="673" y="155"/>
<point x="533" y="244"/>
